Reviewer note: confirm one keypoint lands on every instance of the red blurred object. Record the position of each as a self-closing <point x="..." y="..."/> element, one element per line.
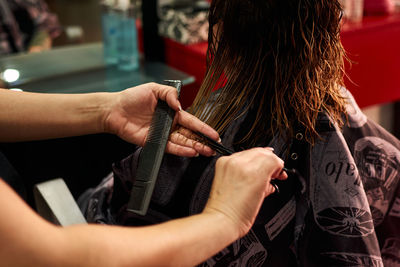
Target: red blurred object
<point x="378" y="7"/>
<point x="374" y="47"/>
<point x="190" y="59"/>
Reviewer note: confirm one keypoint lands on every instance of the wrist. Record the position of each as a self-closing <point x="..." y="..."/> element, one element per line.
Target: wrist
<point x="227" y="224"/>
<point x="92" y="112"/>
<point x="105" y="103"/>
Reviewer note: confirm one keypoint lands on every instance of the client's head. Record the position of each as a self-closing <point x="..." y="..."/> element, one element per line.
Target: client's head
<point x="282" y="58"/>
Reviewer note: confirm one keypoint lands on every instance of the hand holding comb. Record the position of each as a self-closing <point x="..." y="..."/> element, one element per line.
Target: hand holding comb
<point x="152" y="154"/>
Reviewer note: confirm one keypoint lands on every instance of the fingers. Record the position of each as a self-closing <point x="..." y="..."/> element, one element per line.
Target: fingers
<point x="274" y="164"/>
<point x="185" y="119"/>
<point x="186" y="138"/>
<point x="267" y="158"/>
<point x="269" y="189"/>
<point x="192" y="123"/>
<point x="282" y="175"/>
<point x="172" y="99"/>
<point x="168" y="94"/>
<point x="182" y="151"/>
<point x="279" y="173"/>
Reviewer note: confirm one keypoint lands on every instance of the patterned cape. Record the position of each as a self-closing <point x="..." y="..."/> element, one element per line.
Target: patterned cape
<point x="342" y="208"/>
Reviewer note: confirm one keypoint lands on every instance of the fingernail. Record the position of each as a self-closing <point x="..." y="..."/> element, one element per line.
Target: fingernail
<point x="219" y="140"/>
<point x="180" y="108"/>
<point x="197" y="155"/>
<point x="214" y="154"/>
<point x="276" y="187"/>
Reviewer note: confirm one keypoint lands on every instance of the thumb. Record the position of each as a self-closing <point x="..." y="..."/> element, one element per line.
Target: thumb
<point x="168" y="94"/>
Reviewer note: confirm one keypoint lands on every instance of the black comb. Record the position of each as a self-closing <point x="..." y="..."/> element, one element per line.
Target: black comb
<point x="152" y="155"/>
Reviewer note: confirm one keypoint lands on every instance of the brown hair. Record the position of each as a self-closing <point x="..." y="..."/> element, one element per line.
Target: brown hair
<point x="282" y="57"/>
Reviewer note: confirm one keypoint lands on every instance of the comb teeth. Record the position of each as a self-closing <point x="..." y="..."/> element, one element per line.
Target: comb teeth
<point x="163" y="112"/>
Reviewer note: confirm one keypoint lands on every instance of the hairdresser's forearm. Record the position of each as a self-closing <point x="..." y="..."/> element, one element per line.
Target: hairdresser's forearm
<point x="184" y="242"/>
<point x="28" y="240"/>
<point x="29" y="116"/>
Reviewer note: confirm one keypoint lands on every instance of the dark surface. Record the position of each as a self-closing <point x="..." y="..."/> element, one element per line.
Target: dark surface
<point x="396" y="120"/>
<point x="81" y="161"/>
<point x="153" y="43"/>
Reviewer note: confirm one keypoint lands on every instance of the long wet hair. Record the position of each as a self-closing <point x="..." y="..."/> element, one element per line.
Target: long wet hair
<point x="282" y="58"/>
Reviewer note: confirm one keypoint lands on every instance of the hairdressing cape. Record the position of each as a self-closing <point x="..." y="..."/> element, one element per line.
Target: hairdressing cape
<point x="342" y="208"/>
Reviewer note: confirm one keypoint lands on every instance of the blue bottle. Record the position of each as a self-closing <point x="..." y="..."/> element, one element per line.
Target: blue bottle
<point x="128" y="53"/>
<point x="110" y="29"/>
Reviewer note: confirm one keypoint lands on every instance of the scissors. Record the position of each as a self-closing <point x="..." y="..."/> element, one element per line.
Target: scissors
<point x="218" y="147"/>
<point x="224" y="151"/>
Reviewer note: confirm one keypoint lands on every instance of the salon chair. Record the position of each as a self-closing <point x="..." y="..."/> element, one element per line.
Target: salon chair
<point x="55" y="203"/>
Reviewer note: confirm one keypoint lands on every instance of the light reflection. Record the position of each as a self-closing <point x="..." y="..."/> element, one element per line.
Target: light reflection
<point x="10" y="75"/>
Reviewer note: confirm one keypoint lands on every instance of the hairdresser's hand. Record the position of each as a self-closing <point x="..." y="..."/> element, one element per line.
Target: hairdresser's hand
<point x="241" y="183"/>
<point x="130" y="112"/>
